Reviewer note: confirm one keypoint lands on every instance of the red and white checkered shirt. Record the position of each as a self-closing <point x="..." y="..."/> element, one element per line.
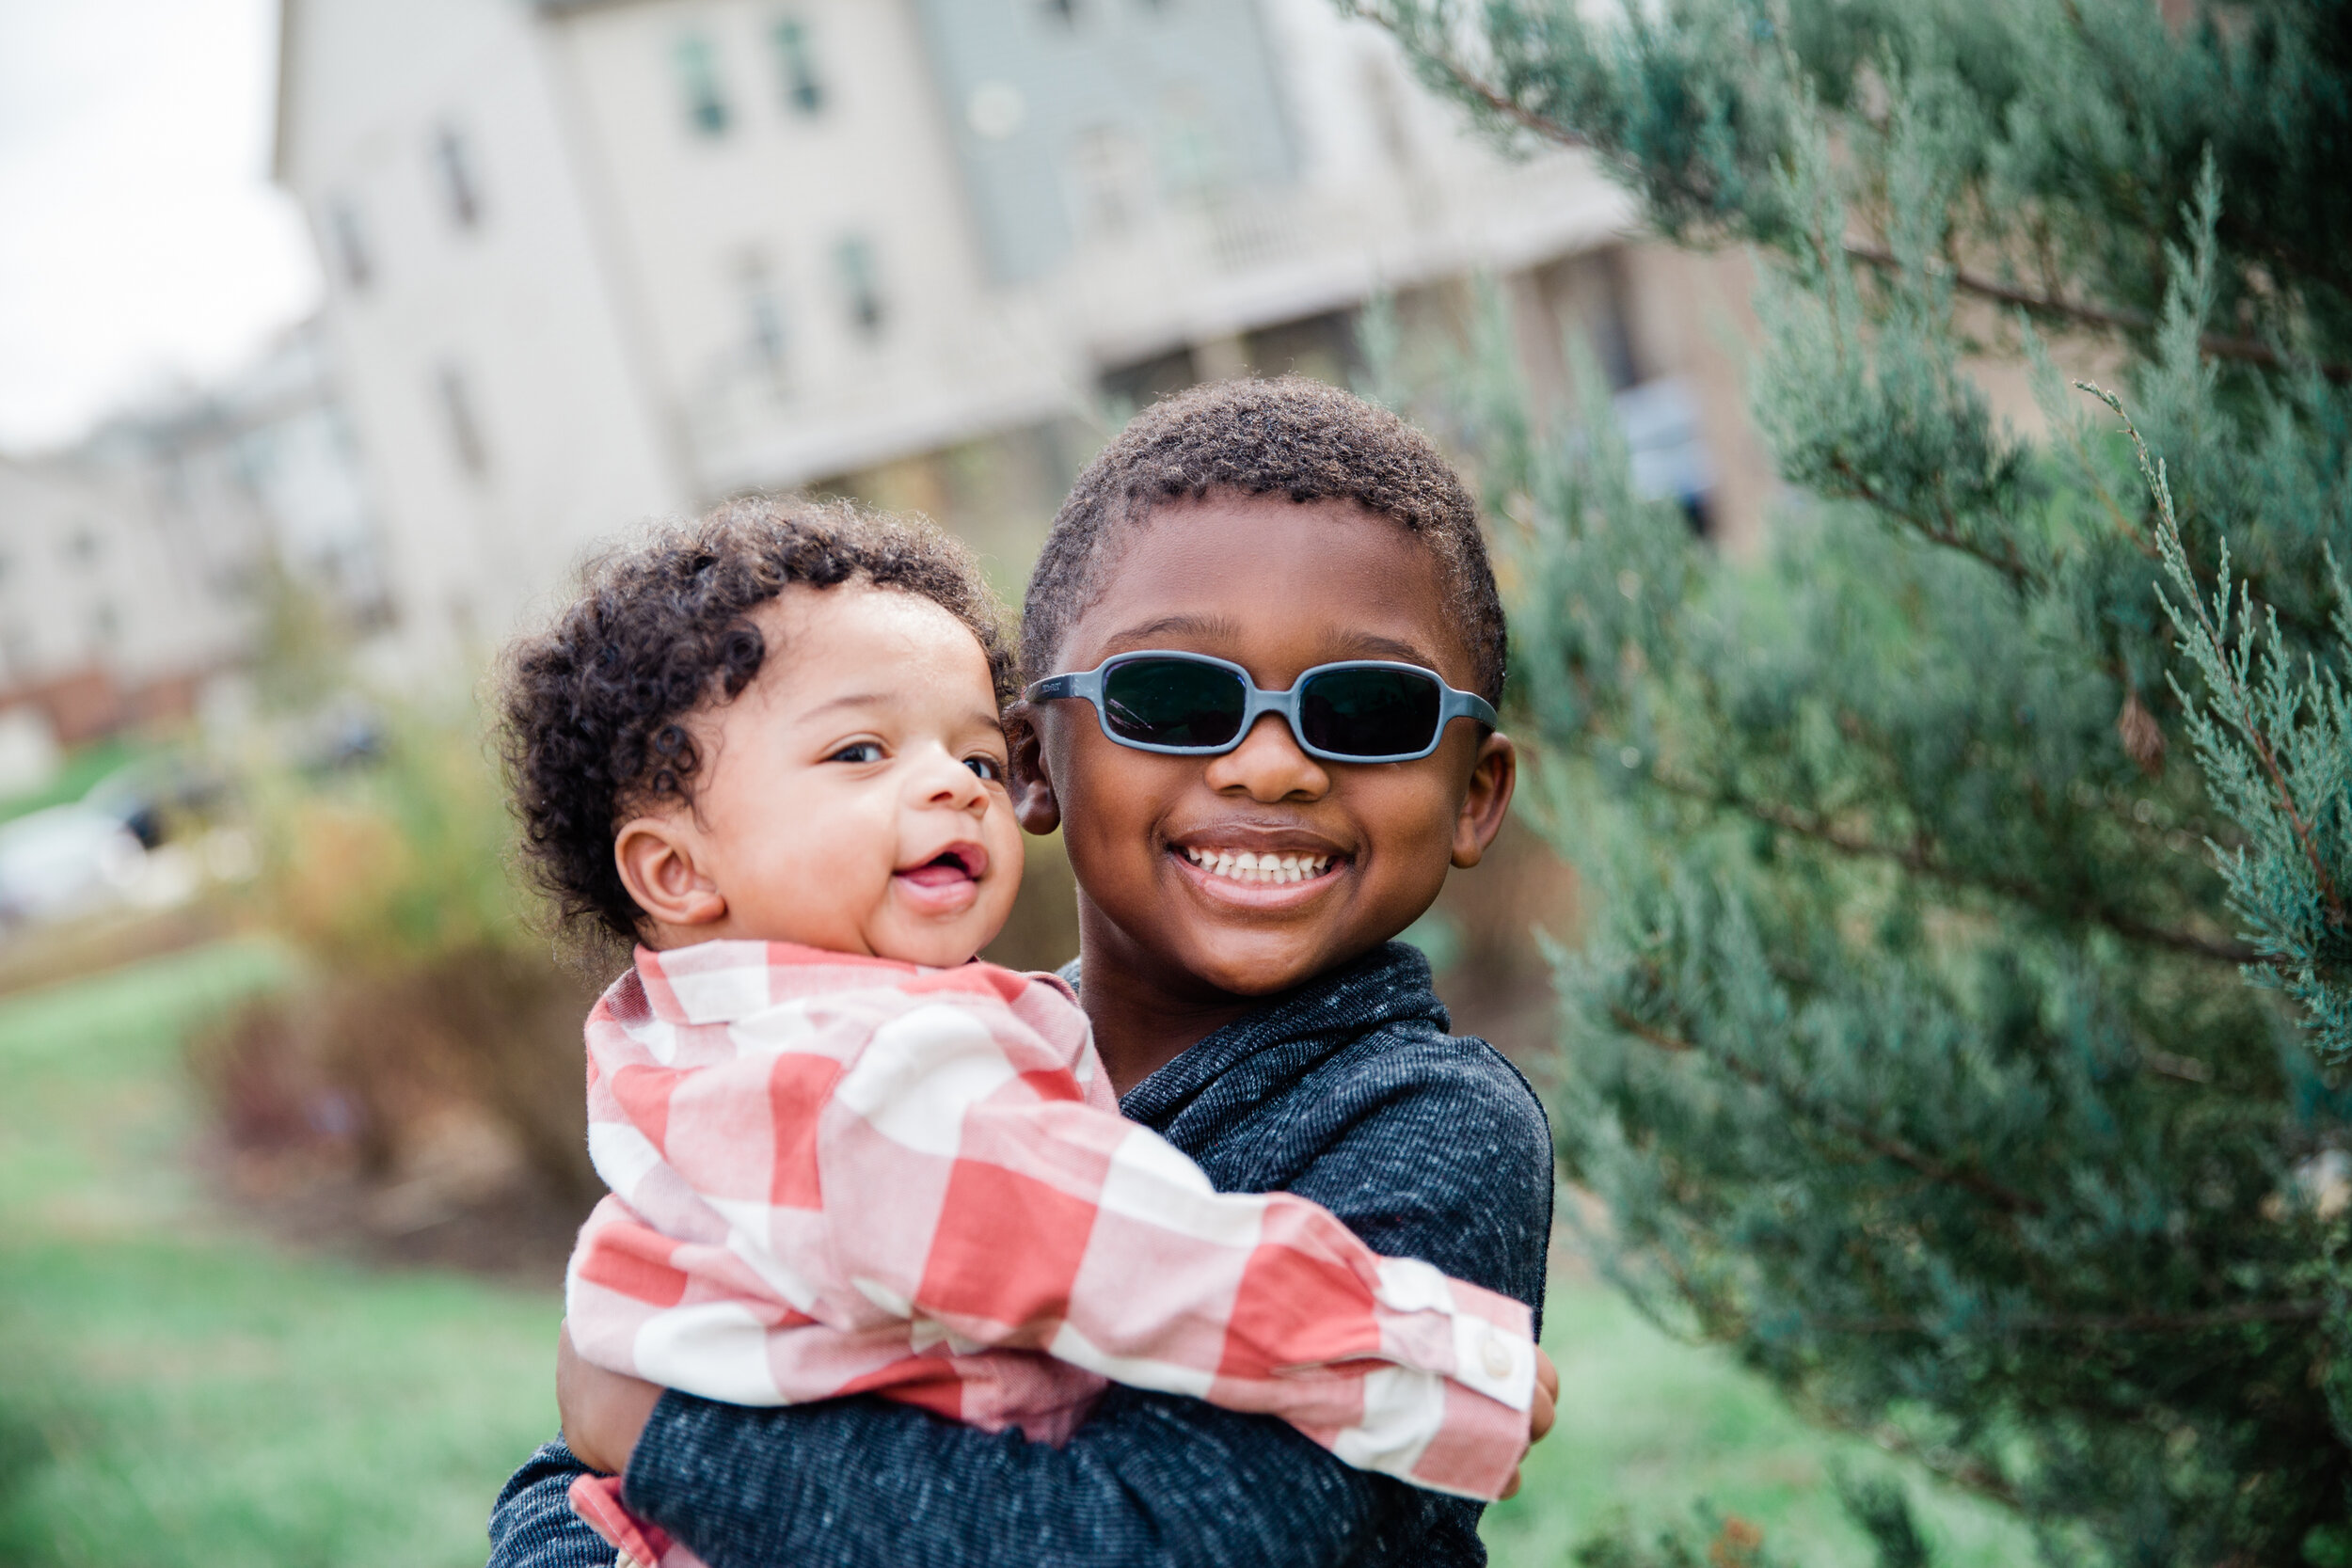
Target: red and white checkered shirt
<point x="834" y="1175"/>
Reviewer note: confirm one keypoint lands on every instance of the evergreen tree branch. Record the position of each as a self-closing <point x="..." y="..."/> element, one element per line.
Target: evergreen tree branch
<point x="2006" y="561"/>
<point x="1485" y="95"/>
<point x="2243" y="712"/>
<point x="2108" y="1323"/>
<point x="2008" y="1199"/>
<point x="2216" y="345"/>
<point x="1918" y="858"/>
<point x="1968" y="1472"/>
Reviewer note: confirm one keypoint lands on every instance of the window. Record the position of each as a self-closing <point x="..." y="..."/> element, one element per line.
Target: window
<point x="348" y="237"/>
<point x="763" y="317"/>
<point x="81" y="546"/>
<point x="1062" y="12"/>
<point x="698" y="78"/>
<point x="1110" y="180"/>
<point x="452" y="161"/>
<point x="104" y="625"/>
<point x="463" y="425"/>
<point x="861" y="283"/>
<point x="803" y="89"/>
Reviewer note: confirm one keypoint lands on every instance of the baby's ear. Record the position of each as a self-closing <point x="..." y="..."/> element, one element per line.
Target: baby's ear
<point x="656" y="863"/>
<point x="1031" y="789"/>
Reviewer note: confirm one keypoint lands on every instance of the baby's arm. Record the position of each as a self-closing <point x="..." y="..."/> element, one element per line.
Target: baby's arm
<point x="951" y="1174"/>
<point x="979" y="1192"/>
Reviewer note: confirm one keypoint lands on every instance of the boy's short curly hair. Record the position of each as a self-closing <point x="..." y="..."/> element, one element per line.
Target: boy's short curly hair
<point x="592" y="709"/>
<point x="1288" y="437"/>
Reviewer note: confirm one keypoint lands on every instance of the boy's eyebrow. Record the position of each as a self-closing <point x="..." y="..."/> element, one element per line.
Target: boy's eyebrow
<point x="1213" y="627"/>
<point x="1223" y="626"/>
<point x="1368" y="645"/>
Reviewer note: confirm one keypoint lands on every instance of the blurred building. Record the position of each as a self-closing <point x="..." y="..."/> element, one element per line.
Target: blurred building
<point x="256" y="476"/>
<point x="593" y="260"/>
<point x="104" y="620"/>
<point x="142" y="562"/>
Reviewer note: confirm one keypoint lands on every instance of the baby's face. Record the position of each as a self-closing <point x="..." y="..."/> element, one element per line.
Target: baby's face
<point x="851" y="797"/>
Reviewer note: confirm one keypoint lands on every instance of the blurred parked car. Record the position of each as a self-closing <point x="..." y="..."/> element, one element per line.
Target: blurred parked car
<point x="66" y="861"/>
<point x="149" y="795"/>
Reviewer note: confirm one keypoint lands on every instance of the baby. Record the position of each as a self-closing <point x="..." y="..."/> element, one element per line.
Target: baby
<point x="844" y="1156"/>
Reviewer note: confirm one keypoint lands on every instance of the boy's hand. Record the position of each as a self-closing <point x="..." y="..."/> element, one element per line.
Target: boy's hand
<point x="603" y="1412"/>
<point x="1541" y="1410"/>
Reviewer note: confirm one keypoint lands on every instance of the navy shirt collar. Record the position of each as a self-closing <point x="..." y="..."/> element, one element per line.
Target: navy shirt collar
<point x="1268" y="1050"/>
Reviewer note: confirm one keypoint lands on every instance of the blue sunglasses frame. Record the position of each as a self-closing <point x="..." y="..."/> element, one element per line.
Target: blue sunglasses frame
<point x="1257" y="702"/>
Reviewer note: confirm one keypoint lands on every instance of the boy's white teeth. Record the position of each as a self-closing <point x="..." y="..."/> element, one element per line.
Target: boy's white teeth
<point x="1241" y="866"/>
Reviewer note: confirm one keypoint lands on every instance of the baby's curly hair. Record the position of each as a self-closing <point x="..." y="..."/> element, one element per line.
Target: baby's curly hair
<point x="1286" y="436"/>
<point x="592" y="709"/>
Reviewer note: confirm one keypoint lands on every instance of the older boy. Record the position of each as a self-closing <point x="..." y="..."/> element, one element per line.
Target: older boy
<point x="1266" y="1026"/>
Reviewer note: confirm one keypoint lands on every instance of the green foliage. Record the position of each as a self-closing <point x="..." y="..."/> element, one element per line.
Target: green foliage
<point x="1911" y="1048"/>
<point x="1880" y="1505"/>
<point x="399" y="861"/>
<point x="2277" y="749"/>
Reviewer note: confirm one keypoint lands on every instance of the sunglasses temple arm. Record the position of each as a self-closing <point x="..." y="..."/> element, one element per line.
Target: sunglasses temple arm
<point x="1469" y="705"/>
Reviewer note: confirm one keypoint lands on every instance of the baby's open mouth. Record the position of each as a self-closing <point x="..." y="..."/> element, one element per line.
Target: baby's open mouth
<point x="1241" y="866"/>
<point x="957" y="862"/>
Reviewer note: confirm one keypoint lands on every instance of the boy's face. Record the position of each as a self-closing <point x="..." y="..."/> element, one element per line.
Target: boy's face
<point x="1275" y="587"/>
<point x="851" y="797"/>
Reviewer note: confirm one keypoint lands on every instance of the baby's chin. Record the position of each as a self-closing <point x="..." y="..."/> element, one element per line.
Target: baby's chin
<point x="934" y="947"/>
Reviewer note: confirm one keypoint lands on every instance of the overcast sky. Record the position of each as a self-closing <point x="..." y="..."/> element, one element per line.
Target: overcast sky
<point x="140" y="238"/>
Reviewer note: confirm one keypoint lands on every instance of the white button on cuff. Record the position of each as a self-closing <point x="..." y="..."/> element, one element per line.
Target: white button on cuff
<point x="1499" y="1364"/>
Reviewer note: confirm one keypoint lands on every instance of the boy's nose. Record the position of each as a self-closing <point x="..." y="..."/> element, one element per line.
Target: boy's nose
<point x="1268" y="765"/>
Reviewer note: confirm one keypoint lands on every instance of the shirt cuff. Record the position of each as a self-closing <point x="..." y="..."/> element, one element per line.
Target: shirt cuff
<point x="1451" y="1414"/>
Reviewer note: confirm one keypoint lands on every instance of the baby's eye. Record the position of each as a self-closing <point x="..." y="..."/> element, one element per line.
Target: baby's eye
<point x="987" y="767"/>
<point x="862" y="750"/>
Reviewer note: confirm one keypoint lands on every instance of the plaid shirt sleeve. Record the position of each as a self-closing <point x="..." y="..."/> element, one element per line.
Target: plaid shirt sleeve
<point x="856" y="1188"/>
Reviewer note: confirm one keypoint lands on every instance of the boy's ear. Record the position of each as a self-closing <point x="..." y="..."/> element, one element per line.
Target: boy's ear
<point x="1031" y="789"/>
<point x="1493" y="776"/>
<point x="658" y="866"/>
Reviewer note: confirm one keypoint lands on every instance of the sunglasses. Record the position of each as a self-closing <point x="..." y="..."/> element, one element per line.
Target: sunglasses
<point x="1190" y="704"/>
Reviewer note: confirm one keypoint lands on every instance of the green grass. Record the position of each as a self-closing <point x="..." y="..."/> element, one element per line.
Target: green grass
<point x="81" y="769"/>
<point x="1654" y="1435"/>
<point x="176" y="1391"/>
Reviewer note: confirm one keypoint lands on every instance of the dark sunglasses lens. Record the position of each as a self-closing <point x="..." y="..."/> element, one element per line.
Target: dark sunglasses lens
<point x="1370" y="713"/>
<point x="1173" y="702"/>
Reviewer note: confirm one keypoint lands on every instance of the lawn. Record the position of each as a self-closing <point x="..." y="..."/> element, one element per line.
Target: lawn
<point x="79" y="771"/>
<point x="177" y="1390"/>
<point x="1656" y="1434"/>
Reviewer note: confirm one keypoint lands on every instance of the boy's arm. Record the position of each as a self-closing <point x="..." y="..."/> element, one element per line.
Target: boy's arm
<point x="1453" y="1169"/>
<point x="532" y="1525"/>
<point x="1151" y="1480"/>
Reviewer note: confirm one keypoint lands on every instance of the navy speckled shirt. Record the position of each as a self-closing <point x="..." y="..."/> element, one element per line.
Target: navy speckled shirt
<point x="1348" y="1092"/>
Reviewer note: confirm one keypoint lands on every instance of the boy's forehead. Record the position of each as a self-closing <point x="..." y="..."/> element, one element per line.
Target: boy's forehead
<point x="1266" y="579"/>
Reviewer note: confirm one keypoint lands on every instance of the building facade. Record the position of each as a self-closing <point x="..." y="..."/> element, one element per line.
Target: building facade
<point x="105" y="616"/>
<point x="597" y="261"/>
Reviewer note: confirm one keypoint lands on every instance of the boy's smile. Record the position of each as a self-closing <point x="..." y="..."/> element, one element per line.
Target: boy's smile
<point x="1208" y="881"/>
